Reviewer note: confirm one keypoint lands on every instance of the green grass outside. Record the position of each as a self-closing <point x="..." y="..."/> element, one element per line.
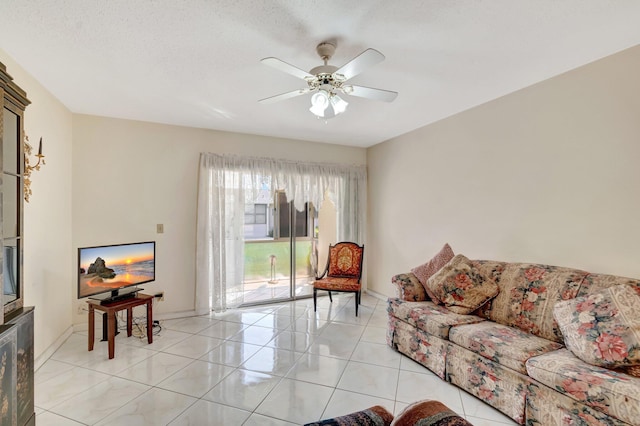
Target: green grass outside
<point x="257" y="264"/>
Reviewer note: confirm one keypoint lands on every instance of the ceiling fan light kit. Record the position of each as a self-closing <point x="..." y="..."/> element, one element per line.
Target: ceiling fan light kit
<point x="327" y="81"/>
<point x="319" y="103"/>
<point x="339" y="105"/>
<point x="322" y="100"/>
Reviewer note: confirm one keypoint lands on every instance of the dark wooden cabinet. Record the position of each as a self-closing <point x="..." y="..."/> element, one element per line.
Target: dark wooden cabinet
<point x="21" y="326"/>
<point x="12" y="162"/>
<point x="16" y="321"/>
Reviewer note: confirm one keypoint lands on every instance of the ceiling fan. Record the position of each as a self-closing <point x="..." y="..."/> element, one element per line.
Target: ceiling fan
<point x="327" y="81"/>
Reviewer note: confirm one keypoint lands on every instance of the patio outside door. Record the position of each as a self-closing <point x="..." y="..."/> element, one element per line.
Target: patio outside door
<point x="279" y="249"/>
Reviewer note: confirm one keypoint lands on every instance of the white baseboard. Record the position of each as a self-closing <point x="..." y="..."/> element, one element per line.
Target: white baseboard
<point x="43" y="357"/>
<point x="377" y="295"/>
<point x="174" y="315"/>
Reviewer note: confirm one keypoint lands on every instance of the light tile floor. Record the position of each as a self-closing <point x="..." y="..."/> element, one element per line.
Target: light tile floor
<point x="279" y="364"/>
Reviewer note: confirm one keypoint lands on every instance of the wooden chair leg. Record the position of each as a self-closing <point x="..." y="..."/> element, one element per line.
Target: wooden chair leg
<point x="315" y="291"/>
<point x="357" y="302"/>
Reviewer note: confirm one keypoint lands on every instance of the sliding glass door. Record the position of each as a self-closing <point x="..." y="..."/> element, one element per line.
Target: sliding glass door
<point x="278" y="249"/>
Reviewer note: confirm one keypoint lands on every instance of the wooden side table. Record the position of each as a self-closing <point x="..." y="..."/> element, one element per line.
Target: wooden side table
<point x="110" y="309"/>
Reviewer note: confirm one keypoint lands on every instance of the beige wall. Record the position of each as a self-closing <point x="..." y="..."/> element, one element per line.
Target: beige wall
<point x="48" y="278"/>
<point x="547" y="174"/>
<point x="129" y="176"/>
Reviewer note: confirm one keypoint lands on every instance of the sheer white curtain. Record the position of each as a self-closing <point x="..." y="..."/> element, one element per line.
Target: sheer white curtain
<point x="225" y="182"/>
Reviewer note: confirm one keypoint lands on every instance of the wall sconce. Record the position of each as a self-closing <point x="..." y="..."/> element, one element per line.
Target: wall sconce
<point x="28" y="168"/>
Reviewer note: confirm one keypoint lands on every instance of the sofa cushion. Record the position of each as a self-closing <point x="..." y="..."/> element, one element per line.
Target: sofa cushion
<point x="593" y="283"/>
<point x="426" y="270"/>
<point x="508" y="346"/>
<point x="528" y="293"/>
<point x="605" y="390"/>
<point x="409" y="288"/>
<point x="603" y="328"/>
<point x="461" y="286"/>
<point x="431" y="318"/>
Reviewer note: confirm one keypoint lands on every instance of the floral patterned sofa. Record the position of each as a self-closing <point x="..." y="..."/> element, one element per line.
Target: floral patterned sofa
<point x="511" y="352"/>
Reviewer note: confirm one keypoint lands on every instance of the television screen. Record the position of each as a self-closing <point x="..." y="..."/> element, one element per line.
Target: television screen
<point x="104" y="269"/>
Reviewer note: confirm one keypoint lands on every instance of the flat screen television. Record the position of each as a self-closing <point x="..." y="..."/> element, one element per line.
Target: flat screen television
<point x="113" y="271"/>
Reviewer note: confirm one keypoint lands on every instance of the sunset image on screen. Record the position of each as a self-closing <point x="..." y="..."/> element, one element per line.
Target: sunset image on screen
<point x="112" y="267"/>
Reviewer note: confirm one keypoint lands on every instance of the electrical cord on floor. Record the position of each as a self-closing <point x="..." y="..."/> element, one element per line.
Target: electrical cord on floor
<point x="138" y="325"/>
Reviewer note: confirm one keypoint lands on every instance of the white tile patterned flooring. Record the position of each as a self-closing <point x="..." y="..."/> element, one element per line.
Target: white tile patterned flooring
<point x="278" y="364"/>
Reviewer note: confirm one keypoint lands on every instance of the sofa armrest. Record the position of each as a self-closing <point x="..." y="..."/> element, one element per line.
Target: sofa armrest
<point x="409" y="288"/>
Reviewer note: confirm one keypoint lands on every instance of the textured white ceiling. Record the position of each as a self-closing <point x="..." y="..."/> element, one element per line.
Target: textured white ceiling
<point x="197" y="62"/>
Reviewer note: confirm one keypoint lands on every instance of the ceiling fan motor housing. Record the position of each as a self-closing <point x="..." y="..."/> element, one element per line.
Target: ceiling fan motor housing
<point x="325" y="78"/>
<point x="326" y="50"/>
<point x="323" y="69"/>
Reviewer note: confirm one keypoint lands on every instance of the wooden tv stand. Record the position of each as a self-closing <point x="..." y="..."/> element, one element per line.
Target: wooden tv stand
<point x="110" y="310"/>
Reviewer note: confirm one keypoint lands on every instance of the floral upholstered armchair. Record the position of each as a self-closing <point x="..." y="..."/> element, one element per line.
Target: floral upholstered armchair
<point x="342" y="273"/>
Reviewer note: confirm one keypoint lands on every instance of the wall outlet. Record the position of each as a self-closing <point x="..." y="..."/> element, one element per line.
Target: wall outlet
<point x="160" y="228"/>
<point x="80" y="309"/>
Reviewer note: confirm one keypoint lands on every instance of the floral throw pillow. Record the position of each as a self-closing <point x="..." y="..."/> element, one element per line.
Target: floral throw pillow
<point x="461" y="287"/>
<point x="602" y="328"/>
<point x="426" y="270"/>
<point x="409" y="288"/>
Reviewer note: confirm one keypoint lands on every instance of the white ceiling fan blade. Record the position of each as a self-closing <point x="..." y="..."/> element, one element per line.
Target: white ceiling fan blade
<point x="284" y="96"/>
<point x="369" y="93"/>
<point x="366" y="59"/>
<point x="285" y="67"/>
